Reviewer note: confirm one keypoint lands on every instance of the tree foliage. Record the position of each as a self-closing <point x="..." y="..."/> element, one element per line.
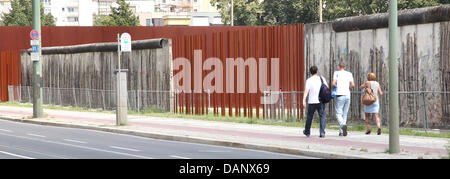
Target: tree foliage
<point x="246" y="12"/>
<point x="279" y="12"/>
<point x="21" y="14"/>
<point x="120" y="16"/>
<point x="347" y="8"/>
<point x="103" y="20"/>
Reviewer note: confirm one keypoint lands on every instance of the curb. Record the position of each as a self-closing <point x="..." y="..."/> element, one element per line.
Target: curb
<point x="275" y="149"/>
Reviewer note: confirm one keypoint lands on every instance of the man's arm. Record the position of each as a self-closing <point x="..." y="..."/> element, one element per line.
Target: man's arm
<point x="352" y="82"/>
<point x="304" y="96"/>
<point x="334" y="80"/>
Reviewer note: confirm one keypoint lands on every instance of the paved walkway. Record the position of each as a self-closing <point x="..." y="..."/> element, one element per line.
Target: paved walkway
<point x="261" y="137"/>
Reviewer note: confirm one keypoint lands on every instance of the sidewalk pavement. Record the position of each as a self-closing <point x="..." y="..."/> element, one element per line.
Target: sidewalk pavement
<point x="280" y="139"/>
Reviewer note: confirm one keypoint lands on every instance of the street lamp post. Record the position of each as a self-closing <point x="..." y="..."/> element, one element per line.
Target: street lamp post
<point x="320" y="10"/>
<point x="232" y="13"/>
<point x="393" y="79"/>
<point x="37" y="65"/>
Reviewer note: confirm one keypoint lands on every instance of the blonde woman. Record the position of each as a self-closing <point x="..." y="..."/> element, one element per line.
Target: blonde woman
<point x="375" y="107"/>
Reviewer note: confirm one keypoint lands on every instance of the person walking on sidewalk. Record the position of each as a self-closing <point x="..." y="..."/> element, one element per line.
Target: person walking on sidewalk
<point x="343" y="82"/>
<point x="312" y="89"/>
<point x="374" y="107"/>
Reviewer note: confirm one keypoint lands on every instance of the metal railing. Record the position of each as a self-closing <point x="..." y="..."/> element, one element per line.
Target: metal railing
<point x="93" y="98"/>
<point x="420" y="109"/>
<point x="283" y="106"/>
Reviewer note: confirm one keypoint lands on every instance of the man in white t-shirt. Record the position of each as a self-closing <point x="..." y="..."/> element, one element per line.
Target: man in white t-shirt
<point x="312" y="89"/>
<point x="343" y="81"/>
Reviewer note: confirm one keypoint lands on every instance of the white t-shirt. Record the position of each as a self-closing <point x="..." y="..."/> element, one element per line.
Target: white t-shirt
<point x="313" y="84"/>
<point x="343" y="79"/>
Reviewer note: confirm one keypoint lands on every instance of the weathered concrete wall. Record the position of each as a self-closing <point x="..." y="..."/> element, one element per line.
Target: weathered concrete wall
<point x="79" y="67"/>
<point x="423" y="66"/>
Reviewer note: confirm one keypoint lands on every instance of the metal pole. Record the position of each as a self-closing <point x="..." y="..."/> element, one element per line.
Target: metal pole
<point x="425" y="123"/>
<point x="320" y="11"/>
<point x="209" y="101"/>
<point x="118" y="81"/>
<point x="103" y="99"/>
<point x="232" y="13"/>
<point x="294" y="113"/>
<point x="37" y="65"/>
<point x="393" y="79"/>
<point x="88" y="95"/>
<point x="59" y="94"/>
<point x="265" y="106"/>
<point x="282" y="106"/>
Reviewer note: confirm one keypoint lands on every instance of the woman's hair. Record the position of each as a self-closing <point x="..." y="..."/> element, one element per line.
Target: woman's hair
<point x="371" y="77"/>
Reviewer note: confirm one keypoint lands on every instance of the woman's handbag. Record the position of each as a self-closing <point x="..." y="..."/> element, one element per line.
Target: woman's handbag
<point x="368" y="97"/>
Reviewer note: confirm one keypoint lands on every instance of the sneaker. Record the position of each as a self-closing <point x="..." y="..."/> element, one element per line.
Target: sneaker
<point x="304" y="132"/>
<point x="367" y="132"/>
<point x="340" y="134"/>
<point x="322" y="136"/>
<point x="344" y="129"/>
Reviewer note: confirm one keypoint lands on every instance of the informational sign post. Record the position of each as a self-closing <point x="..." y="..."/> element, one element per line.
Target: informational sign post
<point x="125" y="42"/>
<point x="123" y="45"/>
<point x="34" y="42"/>
<point x="34" y="56"/>
<point x="34" y="34"/>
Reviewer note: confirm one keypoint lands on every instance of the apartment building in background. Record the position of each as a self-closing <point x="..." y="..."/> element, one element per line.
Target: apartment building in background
<point x="143" y="9"/>
<point x="103" y="7"/>
<point x="70" y="12"/>
<point x="185" y="13"/>
<point x="149" y="12"/>
<point x="5" y="5"/>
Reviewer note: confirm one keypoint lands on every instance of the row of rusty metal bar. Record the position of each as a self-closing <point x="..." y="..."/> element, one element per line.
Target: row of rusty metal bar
<point x="10" y="71"/>
<point x="283" y="42"/>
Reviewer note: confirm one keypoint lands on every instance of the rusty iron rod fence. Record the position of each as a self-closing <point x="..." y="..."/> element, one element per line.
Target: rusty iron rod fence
<point x="282" y="42"/>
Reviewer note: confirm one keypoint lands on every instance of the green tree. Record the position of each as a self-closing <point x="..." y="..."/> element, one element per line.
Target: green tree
<point x="120" y="16"/>
<point x="345" y="8"/>
<point x="411" y="4"/>
<point x="246" y="12"/>
<point x="21" y="14"/>
<point x="103" y="20"/>
<point x="280" y="12"/>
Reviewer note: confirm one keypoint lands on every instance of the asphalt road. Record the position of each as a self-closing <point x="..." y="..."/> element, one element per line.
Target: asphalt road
<point x="30" y="141"/>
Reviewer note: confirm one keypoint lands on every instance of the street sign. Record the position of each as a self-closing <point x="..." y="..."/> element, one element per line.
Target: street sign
<point x="125" y="42"/>
<point x="34" y="48"/>
<point x="34" y="34"/>
<point x="34" y="56"/>
<point x="34" y="42"/>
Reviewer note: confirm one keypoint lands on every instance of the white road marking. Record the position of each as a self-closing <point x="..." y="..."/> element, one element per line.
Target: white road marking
<point x="5" y="130"/>
<point x="78" y="146"/>
<point x="214" y="151"/>
<point x="76" y="141"/>
<point x="123" y="148"/>
<point x="36" y="135"/>
<point x="16" y="155"/>
<point x="175" y="156"/>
